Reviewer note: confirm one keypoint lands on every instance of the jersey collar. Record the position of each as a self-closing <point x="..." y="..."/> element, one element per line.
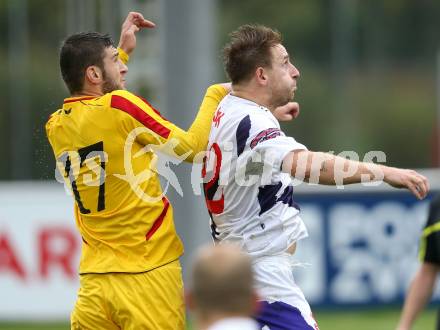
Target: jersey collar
<point x="78" y="98"/>
<point x="249" y="102"/>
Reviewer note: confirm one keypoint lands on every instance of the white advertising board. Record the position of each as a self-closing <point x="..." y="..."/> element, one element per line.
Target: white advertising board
<point x="39" y="251"/>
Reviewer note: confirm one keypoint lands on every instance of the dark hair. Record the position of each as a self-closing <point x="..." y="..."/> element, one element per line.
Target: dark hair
<point x="249" y="49"/>
<point x="78" y="52"/>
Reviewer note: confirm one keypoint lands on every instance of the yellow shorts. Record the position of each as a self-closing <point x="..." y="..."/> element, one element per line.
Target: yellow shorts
<point x="151" y="300"/>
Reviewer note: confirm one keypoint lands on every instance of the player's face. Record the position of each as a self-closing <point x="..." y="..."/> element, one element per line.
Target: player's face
<point x="114" y="71"/>
<point x="282" y="76"/>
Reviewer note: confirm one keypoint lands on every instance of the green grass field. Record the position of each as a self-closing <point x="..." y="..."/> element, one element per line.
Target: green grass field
<point x="380" y="319"/>
<point x="377" y="319"/>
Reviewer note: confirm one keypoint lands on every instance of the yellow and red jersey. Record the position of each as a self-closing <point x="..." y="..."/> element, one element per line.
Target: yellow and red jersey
<point x="100" y="146"/>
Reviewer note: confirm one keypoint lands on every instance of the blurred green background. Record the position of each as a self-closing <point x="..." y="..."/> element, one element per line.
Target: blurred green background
<point x="368" y="71"/>
<point x="368" y="82"/>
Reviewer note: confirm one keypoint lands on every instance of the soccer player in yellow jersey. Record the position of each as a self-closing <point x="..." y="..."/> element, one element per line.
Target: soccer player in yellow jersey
<point x="130" y="276"/>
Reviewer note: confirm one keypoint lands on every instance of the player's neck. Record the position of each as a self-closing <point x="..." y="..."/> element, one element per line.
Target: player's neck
<point x="251" y="94"/>
<point x="89" y="91"/>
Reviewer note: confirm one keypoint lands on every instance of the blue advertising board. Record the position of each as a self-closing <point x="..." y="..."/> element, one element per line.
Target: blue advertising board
<point x="362" y="247"/>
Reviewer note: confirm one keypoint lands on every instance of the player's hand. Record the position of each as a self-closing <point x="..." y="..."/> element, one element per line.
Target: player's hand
<point x="132" y="24"/>
<point x="287" y="112"/>
<point x="409" y="179"/>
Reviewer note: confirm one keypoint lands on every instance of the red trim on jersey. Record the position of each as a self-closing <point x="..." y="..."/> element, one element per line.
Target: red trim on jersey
<point x="159" y="220"/>
<point x="121" y="103"/>
<point x="74" y="99"/>
<point x="153" y="108"/>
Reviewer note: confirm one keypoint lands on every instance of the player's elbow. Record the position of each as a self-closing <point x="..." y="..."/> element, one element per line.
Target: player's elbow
<point x="297" y="163"/>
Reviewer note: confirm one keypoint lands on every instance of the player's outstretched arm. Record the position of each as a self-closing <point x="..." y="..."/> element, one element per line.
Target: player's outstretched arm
<point x="133" y="23"/>
<point x="323" y="168"/>
<point x="409" y="179"/>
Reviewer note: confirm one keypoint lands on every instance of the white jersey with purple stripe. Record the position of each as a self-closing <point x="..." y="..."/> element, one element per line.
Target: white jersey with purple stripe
<point x="249" y="198"/>
<point x="250" y="201"/>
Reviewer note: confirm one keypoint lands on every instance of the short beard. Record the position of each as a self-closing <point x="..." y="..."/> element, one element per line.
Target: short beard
<point x="280" y="101"/>
<point x="109" y="85"/>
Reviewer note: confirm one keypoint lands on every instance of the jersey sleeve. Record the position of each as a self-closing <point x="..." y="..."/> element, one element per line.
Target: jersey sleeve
<point x="434" y="211"/>
<point x="50" y="126"/>
<point x="153" y="129"/>
<point x="269" y="140"/>
<point x="430" y="240"/>
<point x="123" y="56"/>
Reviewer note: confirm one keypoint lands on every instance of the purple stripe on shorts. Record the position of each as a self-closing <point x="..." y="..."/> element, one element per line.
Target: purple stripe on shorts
<point x="281" y="316"/>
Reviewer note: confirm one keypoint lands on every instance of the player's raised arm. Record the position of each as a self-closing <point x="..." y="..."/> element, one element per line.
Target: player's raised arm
<point x="152" y="129"/>
<point x="195" y="139"/>
<point x="192" y="141"/>
<point x="133" y="23"/>
<point x="323" y="168"/>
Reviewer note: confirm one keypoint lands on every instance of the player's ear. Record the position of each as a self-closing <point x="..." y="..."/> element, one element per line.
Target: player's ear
<point x="261" y="75"/>
<point x="94" y="75"/>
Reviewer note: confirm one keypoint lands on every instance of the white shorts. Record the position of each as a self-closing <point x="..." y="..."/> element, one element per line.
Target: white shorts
<point x="275" y="283"/>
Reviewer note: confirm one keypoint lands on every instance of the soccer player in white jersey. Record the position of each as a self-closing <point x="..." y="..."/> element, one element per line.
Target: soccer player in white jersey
<point x="249" y="167"/>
